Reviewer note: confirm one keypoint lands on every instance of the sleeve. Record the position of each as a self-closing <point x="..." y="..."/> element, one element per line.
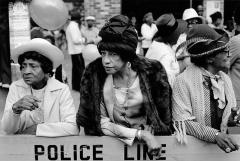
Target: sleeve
<point x="11" y="121"/>
<point x="200" y="131"/>
<point x="76" y="34"/>
<point x="147" y="34"/>
<point x="162" y="97"/>
<point x="67" y="124"/>
<point x="127" y="135"/>
<point x="182" y="113"/>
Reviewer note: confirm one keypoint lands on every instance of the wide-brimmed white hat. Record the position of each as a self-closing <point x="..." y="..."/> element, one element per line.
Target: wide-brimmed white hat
<point x="41" y="46"/>
<point x="90" y="18"/>
<point x="190" y="13"/>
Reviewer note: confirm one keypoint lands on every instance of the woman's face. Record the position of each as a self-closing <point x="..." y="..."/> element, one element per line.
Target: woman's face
<point x="222" y="60"/>
<point x="112" y="62"/>
<point x="32" y="72"/>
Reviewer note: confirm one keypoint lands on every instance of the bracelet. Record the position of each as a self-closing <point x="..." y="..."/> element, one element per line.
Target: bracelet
<point x="139" y="134"/>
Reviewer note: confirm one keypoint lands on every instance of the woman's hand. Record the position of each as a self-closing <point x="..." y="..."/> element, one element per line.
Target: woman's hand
<point x="154" y="148"/>
<point x="28" y="102"/>
<point x="225" y="142"/>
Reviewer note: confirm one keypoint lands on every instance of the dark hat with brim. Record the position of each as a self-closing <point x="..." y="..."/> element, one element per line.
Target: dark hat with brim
<point x="206" y="47"/>
<point x="200" y="32"/>
<point x="169" y="28"/>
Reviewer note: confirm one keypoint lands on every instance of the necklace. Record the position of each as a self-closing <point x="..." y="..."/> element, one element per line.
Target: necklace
<point x="123" y="90"/>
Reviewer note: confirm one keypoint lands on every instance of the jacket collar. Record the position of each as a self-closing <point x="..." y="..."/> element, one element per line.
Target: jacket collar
<point x="52" y="84"/>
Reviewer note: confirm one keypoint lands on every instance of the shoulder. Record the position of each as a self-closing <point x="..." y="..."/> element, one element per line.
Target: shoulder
<point x="19" y="83"/>
<point x="149" y="66"/>
<point x="53" y="85"/>
<point x="186" y="77"/>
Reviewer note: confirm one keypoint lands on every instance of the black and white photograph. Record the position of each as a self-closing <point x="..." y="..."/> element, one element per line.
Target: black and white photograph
<point x="119" y="80"/>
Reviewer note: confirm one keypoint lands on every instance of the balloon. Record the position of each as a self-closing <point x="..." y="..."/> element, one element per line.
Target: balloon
<point x="49" y="14"/>
<point x="90" y="53"/>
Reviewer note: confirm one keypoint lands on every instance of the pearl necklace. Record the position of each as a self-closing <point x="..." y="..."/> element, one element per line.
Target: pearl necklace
<point x="116" y="102"/>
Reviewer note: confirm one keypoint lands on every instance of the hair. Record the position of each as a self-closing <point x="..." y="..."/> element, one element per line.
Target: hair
<point x="120" y="48"/>
<point x="236" y="15"/>
<point x="146" y="16"/>
<point x="216" y="15"/>
<point x="45" y="63"/>
<point x="51" y="38"/>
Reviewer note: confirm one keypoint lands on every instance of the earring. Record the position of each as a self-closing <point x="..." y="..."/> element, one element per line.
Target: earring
<point x="128" y="64"/>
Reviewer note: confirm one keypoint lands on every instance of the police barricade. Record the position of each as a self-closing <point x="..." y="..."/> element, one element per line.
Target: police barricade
<point x="76" y="148"/>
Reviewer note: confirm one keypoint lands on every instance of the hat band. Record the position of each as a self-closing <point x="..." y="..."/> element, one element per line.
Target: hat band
<point x="167" y="30"/>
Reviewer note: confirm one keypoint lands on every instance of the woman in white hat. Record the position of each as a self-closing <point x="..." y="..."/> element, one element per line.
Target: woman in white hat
<point x="191" y="16"/>
<point x="39" y="104"/>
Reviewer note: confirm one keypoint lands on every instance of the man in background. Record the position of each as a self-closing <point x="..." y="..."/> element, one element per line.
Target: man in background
<point x="90" y="32"/>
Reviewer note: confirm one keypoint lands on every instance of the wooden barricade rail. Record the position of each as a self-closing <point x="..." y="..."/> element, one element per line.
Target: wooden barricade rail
<point x="76" y="148"/>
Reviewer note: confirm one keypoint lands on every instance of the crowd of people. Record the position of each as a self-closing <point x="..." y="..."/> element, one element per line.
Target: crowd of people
<point x="184" y="82"/>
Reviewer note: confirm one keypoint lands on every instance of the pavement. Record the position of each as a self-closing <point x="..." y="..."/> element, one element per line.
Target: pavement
<point x="68" y="69"/>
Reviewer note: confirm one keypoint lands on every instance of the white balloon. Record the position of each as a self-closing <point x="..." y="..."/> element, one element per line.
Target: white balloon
<point x="49" y="14"/>
<point x="90" y="53"/>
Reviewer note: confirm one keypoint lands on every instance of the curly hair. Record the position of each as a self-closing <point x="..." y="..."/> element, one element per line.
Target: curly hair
<point x="45" y="63"/>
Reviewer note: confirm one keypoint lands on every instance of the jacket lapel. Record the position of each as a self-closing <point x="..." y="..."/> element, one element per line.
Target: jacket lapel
<point x="50" y="96"/>
<point x="108" y="96"/>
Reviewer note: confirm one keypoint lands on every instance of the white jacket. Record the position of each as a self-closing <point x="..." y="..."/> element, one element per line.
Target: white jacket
<point x="166" y="56"/>
<point x="75" y="39"/>
<point x="58" y="107"/>
<point x="148" y="32"/>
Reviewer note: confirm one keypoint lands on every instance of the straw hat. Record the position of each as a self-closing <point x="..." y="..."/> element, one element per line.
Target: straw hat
<point x="190" y="13"/>
<point x="41" y="46"/>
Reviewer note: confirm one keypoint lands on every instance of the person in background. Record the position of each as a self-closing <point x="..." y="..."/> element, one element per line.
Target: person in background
<point x="38" y="104"/>
<point x="200" y="10"/>
<point x="169" y="31"/>
<point x="216" y="20"/>
<point x="191" y="16"/>
<point x="236" y="18"/>
<point x="217" y="24"/>
<point x="124" y="95"/>
<point x="133" y="19"/>
<point x="90" y="32"/>
<point x="75" y="41"/>
<point x="148" y="30"/>
<point x="59" y="72"/>
<point x="204" y="114"/>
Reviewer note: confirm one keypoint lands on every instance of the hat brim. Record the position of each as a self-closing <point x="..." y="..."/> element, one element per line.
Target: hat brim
<point x="173" y="37"/>
<point x="42" y="47"/>
<point x="197" y="17"/>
